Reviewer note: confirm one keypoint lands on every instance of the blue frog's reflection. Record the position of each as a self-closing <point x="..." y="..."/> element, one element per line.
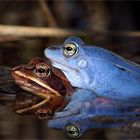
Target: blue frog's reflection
<point x="85" y="112"/>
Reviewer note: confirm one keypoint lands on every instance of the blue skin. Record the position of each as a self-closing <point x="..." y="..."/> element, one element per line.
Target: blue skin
<point x="97" y="73"/>
<point x="98" y="70"/>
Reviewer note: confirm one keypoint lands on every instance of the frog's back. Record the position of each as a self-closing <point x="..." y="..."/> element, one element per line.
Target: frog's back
<point x="105" y="55"/>
<point x="115" y="76"/>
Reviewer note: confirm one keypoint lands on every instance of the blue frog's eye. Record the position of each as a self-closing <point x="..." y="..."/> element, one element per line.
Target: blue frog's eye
<point x="72" y="131"/>
<point x="70" y="49"/>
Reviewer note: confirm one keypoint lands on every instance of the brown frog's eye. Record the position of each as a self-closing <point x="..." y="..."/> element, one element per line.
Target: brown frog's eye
<point x="70" y="49"/>
<point x="42" y="70"/>
<point x="44" y="113"/>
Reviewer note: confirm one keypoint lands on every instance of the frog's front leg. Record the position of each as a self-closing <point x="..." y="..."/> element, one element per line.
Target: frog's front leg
<point x="83" y="105"/>
<point x="79" y="117"/>
<point x="73" y="111"/>
<point x="89" y="106"/>
<point x="77" y="102"/>
<point x="66" y="113"/>
<point x="60" y="123"/>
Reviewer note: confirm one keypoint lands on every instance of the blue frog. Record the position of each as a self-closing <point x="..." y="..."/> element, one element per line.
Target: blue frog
<point x="107" y="85"/>
<point x="96" y="69"/>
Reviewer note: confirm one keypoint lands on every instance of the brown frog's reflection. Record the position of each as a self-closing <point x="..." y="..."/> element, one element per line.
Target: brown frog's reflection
<point x="47" y="86"/>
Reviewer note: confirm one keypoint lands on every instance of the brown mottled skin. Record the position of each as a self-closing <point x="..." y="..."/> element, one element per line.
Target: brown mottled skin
<point x="48" y="88"/>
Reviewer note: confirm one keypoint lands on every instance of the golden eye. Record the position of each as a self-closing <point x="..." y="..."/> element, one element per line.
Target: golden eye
<point x="43" y="113"/>
<point x="70" y="49"/>
<point x="72" y="131"/>
<point x="42" y="70"/>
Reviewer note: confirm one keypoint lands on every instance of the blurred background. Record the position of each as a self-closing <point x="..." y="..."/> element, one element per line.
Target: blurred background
<point x="113" y="25"/>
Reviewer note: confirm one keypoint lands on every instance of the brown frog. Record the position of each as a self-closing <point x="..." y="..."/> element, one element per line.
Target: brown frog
<point x="48" y="88"/>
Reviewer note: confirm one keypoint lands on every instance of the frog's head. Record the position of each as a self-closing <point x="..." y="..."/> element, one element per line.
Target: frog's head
<point x="71" y="58"/>
<point x="47" y="84"/>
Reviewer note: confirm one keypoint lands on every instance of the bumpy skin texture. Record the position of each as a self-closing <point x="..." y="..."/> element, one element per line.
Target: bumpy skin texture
<point x="98" y="70"/>
<point x="108" y="85"/>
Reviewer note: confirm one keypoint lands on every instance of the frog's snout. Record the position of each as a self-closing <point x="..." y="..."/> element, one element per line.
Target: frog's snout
<point x="47" y="52"/>
<point x="50" y="51"/>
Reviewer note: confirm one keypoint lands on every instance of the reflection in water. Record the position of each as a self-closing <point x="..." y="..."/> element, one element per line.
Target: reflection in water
<point x="116" y="16"/>
<point x="101" y="117"/>
<point x="13" y="126"/>
<point x="120" y="120"/>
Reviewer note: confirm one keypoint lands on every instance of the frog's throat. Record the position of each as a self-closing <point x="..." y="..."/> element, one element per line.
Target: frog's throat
<point x="40" y="94"/>
<point x="38" y="81"/>
<point x="57" y="62"/>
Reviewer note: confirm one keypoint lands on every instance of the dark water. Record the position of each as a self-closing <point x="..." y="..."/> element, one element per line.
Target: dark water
<point x="13" y="126"/>
<point x="116" y="16"/>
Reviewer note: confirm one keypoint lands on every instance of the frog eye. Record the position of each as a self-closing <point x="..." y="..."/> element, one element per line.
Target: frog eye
<point x="44" y="113"/>
<point x="72" y="131"/>
<point x="70" y="49"/>
<point x="42" y="70"/>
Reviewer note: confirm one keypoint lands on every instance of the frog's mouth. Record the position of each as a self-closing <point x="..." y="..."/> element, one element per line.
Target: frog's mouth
<point x="33" y="85"/>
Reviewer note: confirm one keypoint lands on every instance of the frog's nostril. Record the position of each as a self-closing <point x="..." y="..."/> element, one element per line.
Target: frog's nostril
<point x="49" y="51"/>
<point x="16" y="68"/>
<point x="54" y="48"/>
<point x="19" y="67"/>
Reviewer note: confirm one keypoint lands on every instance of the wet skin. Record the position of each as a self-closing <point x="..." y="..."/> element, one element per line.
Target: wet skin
<point x="98" y="74"/>
<point x="82" y="110"/>
<point x="96" y="69"/>
<point x="48" y="87"/>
